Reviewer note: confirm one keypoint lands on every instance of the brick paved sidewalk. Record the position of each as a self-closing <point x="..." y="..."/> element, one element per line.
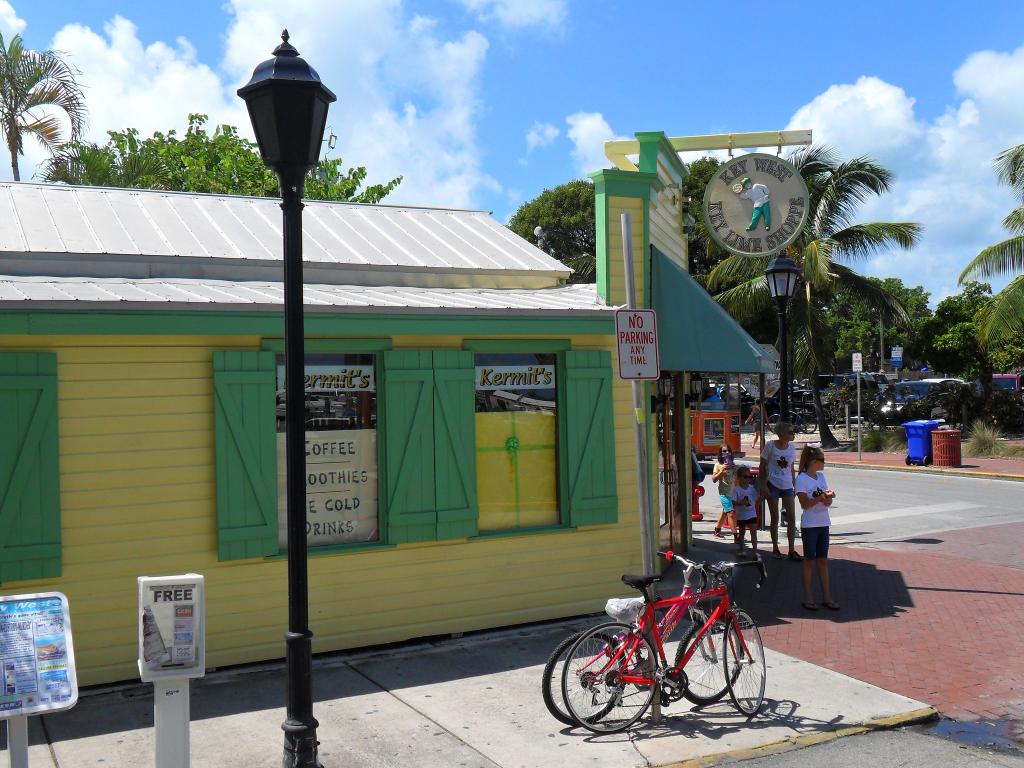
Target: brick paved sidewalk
<point x="924" y="620"/>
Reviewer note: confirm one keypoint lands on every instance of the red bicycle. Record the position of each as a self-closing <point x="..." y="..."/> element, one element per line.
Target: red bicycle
<point x="614" y="670"/>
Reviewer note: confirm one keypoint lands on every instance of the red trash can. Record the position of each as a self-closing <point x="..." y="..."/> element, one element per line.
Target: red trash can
<point x="946" y="447"/>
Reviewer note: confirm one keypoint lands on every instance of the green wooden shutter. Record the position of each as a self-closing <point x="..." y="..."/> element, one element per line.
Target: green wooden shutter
<point x="246" y="444"/>
<point x="408" y="427"/>
<point x="588" y="455"/>
<point x="29" y="469"/>
<point x="455" y="444"/>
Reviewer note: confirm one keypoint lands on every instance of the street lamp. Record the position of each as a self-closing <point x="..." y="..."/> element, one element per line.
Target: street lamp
<point x="783" y="275"/>
<point x="287" y="105"/>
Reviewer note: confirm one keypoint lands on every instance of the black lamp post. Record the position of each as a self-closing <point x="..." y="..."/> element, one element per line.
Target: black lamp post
<point x="287" y="105"/>
<point x="783" y="275"/>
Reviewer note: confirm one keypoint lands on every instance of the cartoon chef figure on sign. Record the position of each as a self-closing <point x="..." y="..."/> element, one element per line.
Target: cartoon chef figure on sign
<point x="758" y="195"/>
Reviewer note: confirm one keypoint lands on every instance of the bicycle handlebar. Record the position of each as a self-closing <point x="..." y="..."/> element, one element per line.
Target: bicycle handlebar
<point x="692" y="565"/>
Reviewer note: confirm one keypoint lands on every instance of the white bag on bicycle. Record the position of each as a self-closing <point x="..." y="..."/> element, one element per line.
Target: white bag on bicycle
<point x="624" y="609"/>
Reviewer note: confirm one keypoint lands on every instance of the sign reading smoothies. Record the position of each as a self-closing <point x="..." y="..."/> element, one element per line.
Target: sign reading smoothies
<point x="341" y="451"/>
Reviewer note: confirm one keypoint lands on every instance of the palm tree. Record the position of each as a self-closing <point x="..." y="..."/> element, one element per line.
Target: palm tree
<point x="828" y="244"/>
<point x="1004" y="315"/>
<point x="91" y="165"/>
<point x="30" y="83"/>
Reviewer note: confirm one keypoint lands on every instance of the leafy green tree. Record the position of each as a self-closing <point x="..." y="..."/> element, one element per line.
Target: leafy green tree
<point x="854" y="324"/>
<point x="952" y="333"/>
<point x="221" y="162"/>
<point x="829" y="242"/>
<point x="1005" y="315"/>
<point x="566" y="216"/>
<point x="31" y="84"/>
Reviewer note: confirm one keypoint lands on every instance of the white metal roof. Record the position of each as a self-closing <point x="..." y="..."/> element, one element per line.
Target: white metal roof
<point x="130" y="225"/>
<point x="18" y="292"/>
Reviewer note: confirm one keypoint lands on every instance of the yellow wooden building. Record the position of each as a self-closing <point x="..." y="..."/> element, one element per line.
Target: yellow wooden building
<point x="469" y="445"/>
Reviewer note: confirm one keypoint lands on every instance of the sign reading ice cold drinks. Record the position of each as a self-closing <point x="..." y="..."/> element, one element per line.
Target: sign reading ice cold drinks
<point x="636" y="335"/>
<point x="36" y="655"/>
<point x="755" y="204"/>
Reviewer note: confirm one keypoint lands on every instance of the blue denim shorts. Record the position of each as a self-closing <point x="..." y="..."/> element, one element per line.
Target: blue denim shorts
<point x="815" y="541"/>
<point x="779" y="493"/>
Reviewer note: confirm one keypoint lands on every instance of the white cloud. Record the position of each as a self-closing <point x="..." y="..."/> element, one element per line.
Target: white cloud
<point x="943" y="166"/>
<point x="868" y="116"/>
<point x="408" y="94"/>
<point x="588" y="132"/>
<point x="540" y="135"/>
<point x="516" y="14"/>
<point x="10" y="24"/>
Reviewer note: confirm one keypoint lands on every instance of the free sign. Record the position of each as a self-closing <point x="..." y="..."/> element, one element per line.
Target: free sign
<point x="636" y="335"/>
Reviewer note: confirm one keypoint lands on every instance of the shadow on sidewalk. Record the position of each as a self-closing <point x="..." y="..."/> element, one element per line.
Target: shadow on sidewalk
<point x="864" y="591"/>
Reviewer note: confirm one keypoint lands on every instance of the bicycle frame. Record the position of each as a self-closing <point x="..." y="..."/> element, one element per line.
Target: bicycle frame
<point x="722" y="609"/>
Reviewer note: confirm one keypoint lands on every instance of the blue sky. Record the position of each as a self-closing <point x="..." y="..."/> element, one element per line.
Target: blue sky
<point x="484" y="103"/>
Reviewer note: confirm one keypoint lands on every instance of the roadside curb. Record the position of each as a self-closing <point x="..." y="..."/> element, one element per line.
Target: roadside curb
<point x="978" y="474"/>
<point x="913" y="717"/>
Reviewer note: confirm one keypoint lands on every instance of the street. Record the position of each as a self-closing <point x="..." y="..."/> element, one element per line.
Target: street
<point x="930" y="575"/>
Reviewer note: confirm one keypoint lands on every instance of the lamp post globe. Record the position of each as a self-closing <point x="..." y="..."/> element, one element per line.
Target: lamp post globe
<point x="783" y="276"/>
<point x="288" y="105"/>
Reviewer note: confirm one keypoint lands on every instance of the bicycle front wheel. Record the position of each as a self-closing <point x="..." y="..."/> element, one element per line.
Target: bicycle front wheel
<point x="551" y="680"/>
<point x="705" y="676"/>
<point x="743" y="663"/>
<point x="593" y="692"/>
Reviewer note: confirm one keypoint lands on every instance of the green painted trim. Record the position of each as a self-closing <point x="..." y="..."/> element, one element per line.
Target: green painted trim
<point x="646" y="256"/>
<point x="316" y="324"/>
<point x="615" y="182"/>
<point x="508" y="532"/>
<point x="349" y="346"/>
<point x="653" y="145"/>
<point x="540" y="346"/>
<point x="601" y="255"/>
<point x="337" y="549"/>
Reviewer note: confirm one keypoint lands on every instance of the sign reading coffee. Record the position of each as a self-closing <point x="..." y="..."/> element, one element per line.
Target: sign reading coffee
<point x="755" y="204"/>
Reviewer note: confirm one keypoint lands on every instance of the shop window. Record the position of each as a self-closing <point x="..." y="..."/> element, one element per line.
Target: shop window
<point x="341" y="450"/>
<point x="516" y="403"/>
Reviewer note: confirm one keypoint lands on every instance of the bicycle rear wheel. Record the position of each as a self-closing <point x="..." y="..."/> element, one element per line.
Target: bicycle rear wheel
<point x="705" y="675"/>
<point x="743" y="663"/>
<point x="551" y="680"/>
<point x="593" y="693"/>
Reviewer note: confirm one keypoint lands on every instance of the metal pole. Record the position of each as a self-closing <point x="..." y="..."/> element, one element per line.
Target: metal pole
<point x="784" y="361"/>
<point x="300" y="744"/>
<point x="860" y="425"/>
<point x="171" y="720"/>
<point x="646" y="551"/>
<point x="881" y="345"/>
<point x="847" y="406"/>
<point x="17" y="741"/>
<point x="638" y="410"/>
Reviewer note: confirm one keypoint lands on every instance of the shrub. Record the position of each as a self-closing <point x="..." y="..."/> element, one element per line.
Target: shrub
<point x="895" y="442"/>
<point x="1007" y="410"/>
<point x="872" y="441"/>
<point x="985" y="440"/>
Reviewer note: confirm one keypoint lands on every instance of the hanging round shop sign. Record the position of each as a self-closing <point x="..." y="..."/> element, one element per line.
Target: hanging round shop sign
<point x="756" y="204"/>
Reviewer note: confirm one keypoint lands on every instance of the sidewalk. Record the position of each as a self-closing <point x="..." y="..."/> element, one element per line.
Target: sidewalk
<point x="1012" y="469"/>
<point x="468" y="702"/>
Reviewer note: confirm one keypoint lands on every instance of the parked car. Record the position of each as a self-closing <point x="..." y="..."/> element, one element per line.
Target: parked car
<point x="897" y="399"/>
<point x="1014" y="382"/>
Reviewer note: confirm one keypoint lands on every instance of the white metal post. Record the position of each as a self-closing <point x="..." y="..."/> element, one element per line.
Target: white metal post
<point x="17" y="741"/>
<point x="860" y="424"/>
<point x="639" y="431"/>
<point x="646" y="539"/>
<point x="171" y="722"/>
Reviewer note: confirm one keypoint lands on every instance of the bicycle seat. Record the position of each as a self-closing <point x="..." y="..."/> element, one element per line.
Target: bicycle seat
<point x="639" y="582"/>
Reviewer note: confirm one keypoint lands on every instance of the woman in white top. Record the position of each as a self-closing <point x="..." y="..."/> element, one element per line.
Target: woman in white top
<point x="777" y="476"/>
<point x="815" y="499"/>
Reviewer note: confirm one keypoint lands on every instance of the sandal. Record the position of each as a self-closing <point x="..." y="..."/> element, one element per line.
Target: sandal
<point x="832" y="605"/>
<point x="810" y="606"/>
<point x="718" y="533"/>
<point x="795" y="557"/>
<point x="777" y="554"/>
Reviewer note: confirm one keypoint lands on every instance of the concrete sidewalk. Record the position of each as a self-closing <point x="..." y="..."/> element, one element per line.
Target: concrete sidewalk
<point x="467" y="702"/>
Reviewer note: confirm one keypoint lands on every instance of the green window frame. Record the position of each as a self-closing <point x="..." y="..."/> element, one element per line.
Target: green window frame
<point x="30" y="519"/>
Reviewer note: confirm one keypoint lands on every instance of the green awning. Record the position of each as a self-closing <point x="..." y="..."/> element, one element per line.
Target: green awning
<point x="694" y="332"/>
